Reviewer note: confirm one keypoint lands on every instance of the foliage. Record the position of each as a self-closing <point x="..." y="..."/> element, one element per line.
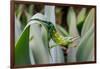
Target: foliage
<point x="31" y="37"/>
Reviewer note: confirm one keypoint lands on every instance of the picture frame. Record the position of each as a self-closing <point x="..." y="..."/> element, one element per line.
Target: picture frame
<point x="59" y="5"/>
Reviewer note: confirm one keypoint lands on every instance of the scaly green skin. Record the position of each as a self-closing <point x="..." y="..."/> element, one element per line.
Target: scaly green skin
<point x="53" y="34"/>
<point x="59" y="39"/>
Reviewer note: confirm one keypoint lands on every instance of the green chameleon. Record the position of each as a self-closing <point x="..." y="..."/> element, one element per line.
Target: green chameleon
<point x="55" y="36"/>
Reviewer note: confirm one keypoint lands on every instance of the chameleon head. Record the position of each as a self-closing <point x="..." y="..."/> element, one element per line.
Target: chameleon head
<point x="71" y="39"/>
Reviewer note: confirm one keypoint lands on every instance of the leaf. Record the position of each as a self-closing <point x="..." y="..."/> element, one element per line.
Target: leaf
<point x="17" y="29"/>
<point x="80" y="19"/>
<point x="81" y="16"/>
<point x="53" y="46"/>
<point x="56" y="52"/>
<point x="39" y="47"/>
<point x="92" y="55"/>
<point x="31" y="9"/>
<point x="73" y="32"/>
<point x="45" y="39"/>
<point x="71" y="19"/>
<point x="22" y="48"/>
<point x="23" y="20"/>
<point x="88" y="22"/>
<point x="61" y="30"/>
<point x="19" y="10"/>
<point x="86" y="46"/>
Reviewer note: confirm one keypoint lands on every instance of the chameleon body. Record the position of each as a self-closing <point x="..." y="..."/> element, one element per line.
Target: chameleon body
<point x="54" y="35"/>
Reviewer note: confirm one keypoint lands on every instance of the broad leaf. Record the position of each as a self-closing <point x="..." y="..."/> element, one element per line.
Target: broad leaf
<point x="86" y="44"/>
<point x="81" y="16"/>
<point x="80" y="19"/>
<point x="39" y="43"/>
<point x="22" y="48"/>
<point x="88" y="22"/>
<point x="56" y="52"/>
<point x="71" y="19"/>
<point x="17" y="28"/>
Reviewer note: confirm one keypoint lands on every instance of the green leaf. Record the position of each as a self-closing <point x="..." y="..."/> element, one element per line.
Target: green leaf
<point x="73" y="32"/>
<point x="88" y="22"/>
<point x="80" y="19"/>
<point x="23" y="20"/>
<point x="19" y="10"/>
<point x="56" y="52"/>
<point x="30" y="9"/>
<point x="71" y="19"/>
<point x="86" y="46"/>
<point x="38" y="45"/>
<point x="61" y="30"/>
<point x="17" y="29"/>
<point x="53" y="46"/>
<point x="22" y="48"/>
<point x="81" y="16"/>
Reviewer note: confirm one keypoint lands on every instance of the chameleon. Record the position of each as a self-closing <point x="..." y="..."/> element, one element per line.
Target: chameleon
<point x="56" y="36"/>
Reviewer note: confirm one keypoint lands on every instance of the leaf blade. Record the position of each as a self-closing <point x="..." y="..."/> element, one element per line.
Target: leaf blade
<point x="22" y="49"/>
<point x="73" y="32"/>
<point x="88" y="22"/>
